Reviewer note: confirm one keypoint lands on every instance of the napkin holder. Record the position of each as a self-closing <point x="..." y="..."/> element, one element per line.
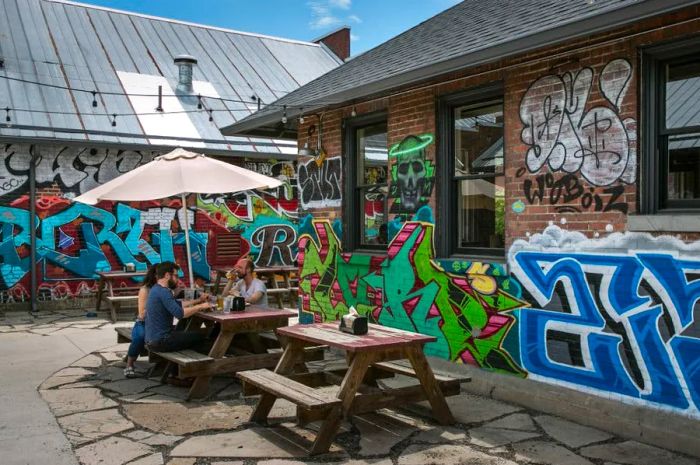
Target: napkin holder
<point x="238" y="304"/>
<point x="354" y="324"/>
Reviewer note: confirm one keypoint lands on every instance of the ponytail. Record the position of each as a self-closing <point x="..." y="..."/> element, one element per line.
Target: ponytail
<point x="150" y="280"/>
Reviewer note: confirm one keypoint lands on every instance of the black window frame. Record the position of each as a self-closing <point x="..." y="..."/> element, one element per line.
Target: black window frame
<point x="352" y="212"/>
<point x="447" y="216"/>
<point x="654" y="156"/>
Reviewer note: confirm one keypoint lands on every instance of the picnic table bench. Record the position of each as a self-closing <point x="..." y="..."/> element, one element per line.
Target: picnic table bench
<point x="370" y="357"/>
<point x="225" y="358"/>
<point x="126" y="294"/>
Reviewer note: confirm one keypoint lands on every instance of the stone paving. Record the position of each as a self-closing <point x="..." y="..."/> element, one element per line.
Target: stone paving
<point x="112" y="420"/>
<point x="50" y="323"/>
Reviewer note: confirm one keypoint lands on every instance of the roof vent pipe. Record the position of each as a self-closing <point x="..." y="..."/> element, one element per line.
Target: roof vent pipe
<point x="184" y="64"/>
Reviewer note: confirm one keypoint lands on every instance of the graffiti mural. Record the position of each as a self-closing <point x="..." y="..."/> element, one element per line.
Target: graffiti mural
<point x="75" y="241"/>
<point x="75" y="169"/>
<point x="267" y="225"/>
<point x="412" y="174"/>
<point x="568" y="194"/>
<point x="563" y="133"/>
<point x="616" y="316"/>
<point x="319" y="184"/>
<point x="464" y="305"/>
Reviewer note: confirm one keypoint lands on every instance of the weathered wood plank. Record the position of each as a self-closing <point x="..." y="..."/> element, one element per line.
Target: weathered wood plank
<point x="123" y="335"/>
<point x="231" y="364"/>
<point x="405" y="370"/>
<point x="185" y="357"/>
<point x="376" y="339"/>
<point x="441" y="411"/>
<point x="286" y="388"/>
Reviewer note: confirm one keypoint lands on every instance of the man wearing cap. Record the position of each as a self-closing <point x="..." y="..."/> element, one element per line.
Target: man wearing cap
<point x="250" y="288"/>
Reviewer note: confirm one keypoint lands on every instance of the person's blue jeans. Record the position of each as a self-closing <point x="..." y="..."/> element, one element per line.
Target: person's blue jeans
<point x="138" y="339"/>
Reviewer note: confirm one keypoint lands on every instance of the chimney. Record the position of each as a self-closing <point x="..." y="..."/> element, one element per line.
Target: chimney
<point x="338" y="41"/>
<point x="185" y="64"/>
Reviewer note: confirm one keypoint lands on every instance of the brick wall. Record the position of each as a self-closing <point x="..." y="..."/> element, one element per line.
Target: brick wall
<point x="571" y="180"/>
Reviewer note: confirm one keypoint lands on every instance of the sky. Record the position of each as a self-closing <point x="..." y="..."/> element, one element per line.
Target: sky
<point x="371" y="21"/>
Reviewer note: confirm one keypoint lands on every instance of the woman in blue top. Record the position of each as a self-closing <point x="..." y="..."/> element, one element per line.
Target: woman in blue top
<point x="138" y="332"/>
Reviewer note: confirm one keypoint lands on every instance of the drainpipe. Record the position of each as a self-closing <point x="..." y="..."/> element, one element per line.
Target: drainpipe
<point x="32" y="231"/>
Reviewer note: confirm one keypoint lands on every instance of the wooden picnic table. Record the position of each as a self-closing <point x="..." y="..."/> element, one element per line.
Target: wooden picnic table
<point x="253" y="320"/>
<point x="106" y="280"/>
<point x="268" y="274"/>
<point x="371" y="352"/>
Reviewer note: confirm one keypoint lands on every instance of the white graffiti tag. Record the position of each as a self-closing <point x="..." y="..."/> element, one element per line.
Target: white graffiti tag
<point x="562" y="133"/>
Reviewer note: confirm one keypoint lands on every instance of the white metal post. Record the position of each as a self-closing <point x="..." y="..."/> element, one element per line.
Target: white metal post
<point x="187" y="240"/>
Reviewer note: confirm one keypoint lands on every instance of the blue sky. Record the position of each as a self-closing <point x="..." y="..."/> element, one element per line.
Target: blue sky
<point x="372" y="21"/>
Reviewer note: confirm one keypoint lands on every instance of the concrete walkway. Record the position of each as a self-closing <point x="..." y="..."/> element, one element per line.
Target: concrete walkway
<point x="29" y="433"/>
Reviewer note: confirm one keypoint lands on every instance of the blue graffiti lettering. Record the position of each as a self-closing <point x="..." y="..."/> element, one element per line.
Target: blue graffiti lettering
<point x="669" y="368"/>
<point x="124" y="235"/>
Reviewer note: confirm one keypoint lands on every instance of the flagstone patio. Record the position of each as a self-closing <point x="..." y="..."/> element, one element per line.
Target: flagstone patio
<point x="112" y="420"/>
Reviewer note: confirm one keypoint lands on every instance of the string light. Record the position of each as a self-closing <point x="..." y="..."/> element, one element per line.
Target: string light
<point x="94" y="98"/>
<point x="73" y="113"/>
<point x="284" y="115"/>
<point x="199" y="101"/>
<point x="114" y="119"/>
<point x="353" y="113"/>
<point x="211" y="115"/>
<point x="126" y="94"/>
<point x="301" y="116"/>
<point x="7" y="115"/>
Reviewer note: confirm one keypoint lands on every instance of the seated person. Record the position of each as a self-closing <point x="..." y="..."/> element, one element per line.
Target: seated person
<point x="251" y="289"/>
<point x="138" y="331"/>
<point x="161" y="308"/>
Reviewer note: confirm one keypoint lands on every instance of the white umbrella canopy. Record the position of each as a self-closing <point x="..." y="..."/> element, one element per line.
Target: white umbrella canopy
<point x="175" y="173"/>
<point x="179" y="172"/>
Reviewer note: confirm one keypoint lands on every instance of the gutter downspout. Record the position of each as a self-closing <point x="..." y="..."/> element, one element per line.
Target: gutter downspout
<point x="32" y="232"/>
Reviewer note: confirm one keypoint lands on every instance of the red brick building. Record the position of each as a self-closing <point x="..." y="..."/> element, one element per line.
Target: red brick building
<point x="520" y="180"/>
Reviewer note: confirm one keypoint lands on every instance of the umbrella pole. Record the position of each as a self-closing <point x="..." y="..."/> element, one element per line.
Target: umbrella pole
<point x="187" y="240"/>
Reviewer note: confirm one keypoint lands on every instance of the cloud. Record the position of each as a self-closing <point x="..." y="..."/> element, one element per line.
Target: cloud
<point x="322" y="16"/>
<point x="555" y="239"/>
<point x="343" y="4"/>
<point x="324" y="13"/>
<point x="354" y="38"/>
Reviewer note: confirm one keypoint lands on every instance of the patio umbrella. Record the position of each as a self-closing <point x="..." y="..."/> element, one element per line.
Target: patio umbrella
<point x="179" y="173"/>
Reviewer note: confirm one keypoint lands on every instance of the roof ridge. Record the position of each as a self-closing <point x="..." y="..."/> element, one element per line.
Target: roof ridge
<point x="186" y="23"/>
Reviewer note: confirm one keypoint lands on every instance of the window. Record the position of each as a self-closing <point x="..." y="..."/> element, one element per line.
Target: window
<point x="471" y="159"/>
<point x="367" y="184"/>
<point x="671" y="118"/>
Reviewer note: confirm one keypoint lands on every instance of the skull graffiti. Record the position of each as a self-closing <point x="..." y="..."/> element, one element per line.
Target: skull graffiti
<point x="412" y="173"/>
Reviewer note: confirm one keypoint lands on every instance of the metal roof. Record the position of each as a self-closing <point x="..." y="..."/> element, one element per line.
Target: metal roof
<point x="472" y="32"/>
<point x="77" y="46"/>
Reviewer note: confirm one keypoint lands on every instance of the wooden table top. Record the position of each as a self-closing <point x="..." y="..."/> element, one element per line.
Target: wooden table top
<point x="120" y="274"/>
<point x="271" y="269"/>
<point x="253" y="312"/>
<point x="377" y="338"/>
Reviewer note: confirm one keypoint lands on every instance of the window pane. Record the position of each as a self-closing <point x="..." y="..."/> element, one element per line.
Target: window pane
<point x="478" y="139"/>
<point x="683" y="94"/>
<point x="481" y="212"/>
<point x="684" y="167"/>
<point x="372" y="154"/>
<point x="373" y="205"/>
